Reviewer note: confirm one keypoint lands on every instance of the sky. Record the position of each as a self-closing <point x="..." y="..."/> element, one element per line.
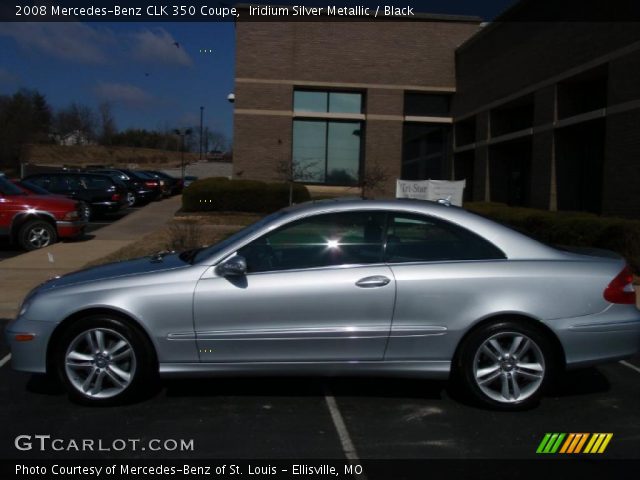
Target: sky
<point x="155" y="75"/>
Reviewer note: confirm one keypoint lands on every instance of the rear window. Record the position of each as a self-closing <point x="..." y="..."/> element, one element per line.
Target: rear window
<point x="417" y="238"/>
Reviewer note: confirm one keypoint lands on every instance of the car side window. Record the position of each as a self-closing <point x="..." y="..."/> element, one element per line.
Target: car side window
<point x="347" y="238"/>
<point x="416" y="238"/>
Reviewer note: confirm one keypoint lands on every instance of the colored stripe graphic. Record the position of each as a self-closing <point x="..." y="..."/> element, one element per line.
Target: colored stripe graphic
<point x="550" y="443"/>
<point x="573" y="443"/>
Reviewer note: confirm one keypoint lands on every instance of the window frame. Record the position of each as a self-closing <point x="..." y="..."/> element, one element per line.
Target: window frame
<point x="447" y="224"/>
<point x="388" y="217"/>
<point x="384" y="224"/>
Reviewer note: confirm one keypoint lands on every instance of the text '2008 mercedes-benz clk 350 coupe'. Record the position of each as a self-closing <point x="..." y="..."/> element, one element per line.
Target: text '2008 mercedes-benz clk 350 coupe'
<point x="338" y="287"/>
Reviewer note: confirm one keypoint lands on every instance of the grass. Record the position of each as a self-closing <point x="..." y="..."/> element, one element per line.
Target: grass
<point x="101" y="155"/>
<point x="184" y="232"/>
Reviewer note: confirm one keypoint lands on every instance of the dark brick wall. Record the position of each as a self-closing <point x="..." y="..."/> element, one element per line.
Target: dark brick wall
<point x="260" y="143"/>
<point x="624" y="79"/>
<point x="621" y="175"/>
<point x="395" y="53"/>
<point x="511" y="56"/>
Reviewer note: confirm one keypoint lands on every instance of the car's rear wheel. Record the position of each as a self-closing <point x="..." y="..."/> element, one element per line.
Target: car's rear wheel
<point x="131" y="199"/>
<point x="87" y="212"/>
<point x="506" y="365"/>
<point x="103" y="361"/>
<point x="36" y="234"/>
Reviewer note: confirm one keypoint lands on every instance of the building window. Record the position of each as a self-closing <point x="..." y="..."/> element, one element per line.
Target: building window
<point x="327" y="102"/>
<point x="424" y="150"/>
<point x="325" y="149"/>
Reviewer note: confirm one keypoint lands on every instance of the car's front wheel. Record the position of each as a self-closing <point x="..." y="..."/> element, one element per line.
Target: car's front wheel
<point x="506" y="365"/>
<point x="36" y="234"/>
<point x="103" y="361"/>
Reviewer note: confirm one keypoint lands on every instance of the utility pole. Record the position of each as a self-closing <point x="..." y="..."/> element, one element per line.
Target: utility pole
<point x="201" y="138"/>
<point x="182" y="133"/>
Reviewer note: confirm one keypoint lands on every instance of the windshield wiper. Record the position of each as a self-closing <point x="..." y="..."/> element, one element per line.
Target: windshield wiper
<point x="159" y="256"/>
<point x="189" y="255"/>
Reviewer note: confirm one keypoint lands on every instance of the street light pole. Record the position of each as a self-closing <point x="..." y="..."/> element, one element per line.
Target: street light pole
<point x="201" y="116"/>
<point x="182" y="133"/>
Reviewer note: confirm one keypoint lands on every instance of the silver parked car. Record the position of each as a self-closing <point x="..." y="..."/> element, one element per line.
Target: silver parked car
<point x="338" y="287"/>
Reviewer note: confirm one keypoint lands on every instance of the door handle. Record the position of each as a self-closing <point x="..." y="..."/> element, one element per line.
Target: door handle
<point x="372" y="282"/>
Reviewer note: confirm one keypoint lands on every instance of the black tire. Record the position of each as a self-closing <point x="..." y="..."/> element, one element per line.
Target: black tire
<point x="131" y="199"/>
<point x="87" y="211"/>
<point x="505" y="378"/>
<point x="35" y="234"/>
<point x="105" y="368"/>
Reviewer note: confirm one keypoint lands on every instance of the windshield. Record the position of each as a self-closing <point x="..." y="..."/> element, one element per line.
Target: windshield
<point x="8" y="188"/>
<point x="247" y="231"/>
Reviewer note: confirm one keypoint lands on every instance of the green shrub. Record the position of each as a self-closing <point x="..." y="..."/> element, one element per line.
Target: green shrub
<point x="577" y="229"/>
<point x="223" y="195"/>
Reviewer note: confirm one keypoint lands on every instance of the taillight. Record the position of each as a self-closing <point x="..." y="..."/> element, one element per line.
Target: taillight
<point x="115" y="197"/>
<point x="620" y="290"/>
<point x="151" y="183"/>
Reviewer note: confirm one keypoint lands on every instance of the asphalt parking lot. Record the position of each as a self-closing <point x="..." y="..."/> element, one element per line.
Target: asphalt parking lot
<point x="285" y="418"/>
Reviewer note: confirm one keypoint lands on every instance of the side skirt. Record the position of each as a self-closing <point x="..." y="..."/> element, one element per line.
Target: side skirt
<point x="427" y="369"/>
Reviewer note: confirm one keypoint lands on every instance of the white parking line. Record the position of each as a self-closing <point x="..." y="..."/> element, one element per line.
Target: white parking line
<point x="632" y="367"/>
<point x="5" y="360"/>
<point x="345" y="439"/>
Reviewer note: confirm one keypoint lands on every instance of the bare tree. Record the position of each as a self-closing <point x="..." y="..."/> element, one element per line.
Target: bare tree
<point x="291" y="172"/>
<point x="215" y="141"/>
<point x="107" y="123"/>
<point x="373" y="178"/>
<point x="76" y="119"/>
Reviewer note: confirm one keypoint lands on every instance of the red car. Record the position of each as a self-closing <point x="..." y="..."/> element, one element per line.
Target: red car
<point x="36" y="221"/>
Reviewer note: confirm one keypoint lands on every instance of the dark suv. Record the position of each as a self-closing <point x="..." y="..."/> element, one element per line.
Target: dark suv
<point x="139" y="192"/>
<point x="100" y="193"/>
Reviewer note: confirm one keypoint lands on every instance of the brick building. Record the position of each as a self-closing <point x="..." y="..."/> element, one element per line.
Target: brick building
<point x="540" y="114"/>
<point x="547" y="114"/>
<point x="344" y="97"/>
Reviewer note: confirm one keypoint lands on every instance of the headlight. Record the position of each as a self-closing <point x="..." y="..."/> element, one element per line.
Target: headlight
<point x="75" y="215"/>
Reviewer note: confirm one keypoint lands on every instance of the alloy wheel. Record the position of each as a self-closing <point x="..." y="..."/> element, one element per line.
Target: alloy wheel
<point x="509" y="367"/>
<point x="39" y="237"/>
<point x="100" y="363"/>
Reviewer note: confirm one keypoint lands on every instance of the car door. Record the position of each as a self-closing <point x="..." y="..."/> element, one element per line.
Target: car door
<point x="440" y="270"/>
<point x="315" y="290"/>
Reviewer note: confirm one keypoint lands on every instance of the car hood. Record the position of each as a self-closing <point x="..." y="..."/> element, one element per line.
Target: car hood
<point x="138" y="266"/>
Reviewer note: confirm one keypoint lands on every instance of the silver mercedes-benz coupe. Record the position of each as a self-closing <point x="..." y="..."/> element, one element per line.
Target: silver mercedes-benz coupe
<point x="337" y="287"/>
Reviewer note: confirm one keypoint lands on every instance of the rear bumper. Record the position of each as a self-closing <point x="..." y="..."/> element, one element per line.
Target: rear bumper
<point x="107" y="207"/>
<point x="609" y="336"/>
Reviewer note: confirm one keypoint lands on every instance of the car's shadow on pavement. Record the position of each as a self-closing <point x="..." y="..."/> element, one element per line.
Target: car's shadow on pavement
<point x="574" y="383"/>
<point x="306" y="387"/>
<point x="580" y="382"/>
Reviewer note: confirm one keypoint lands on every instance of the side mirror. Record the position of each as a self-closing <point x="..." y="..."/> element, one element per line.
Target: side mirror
<point x="233" y="267"/>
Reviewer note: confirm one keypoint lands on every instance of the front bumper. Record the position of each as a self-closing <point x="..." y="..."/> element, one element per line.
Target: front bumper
<point x="70" y="229"/>
<point x="29" y="356"/>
